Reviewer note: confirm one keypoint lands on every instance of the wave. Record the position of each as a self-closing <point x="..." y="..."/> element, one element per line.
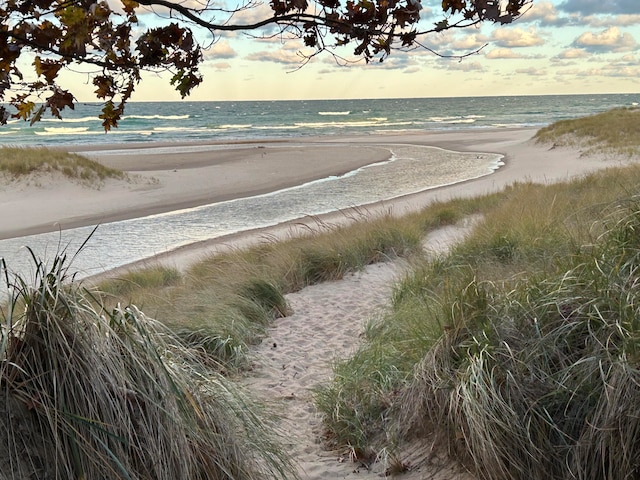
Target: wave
<point x="65" y="131"/>
<point x="347" y="112"/>
<point x="176" y="129"/>
<point x="277" y="127"/>
<point x="373" y="122"/>
<point x="234" y="126"/>
<point x="72" y="120"/>
<point x="453" y="120"/>
<point x="157" y="117"/>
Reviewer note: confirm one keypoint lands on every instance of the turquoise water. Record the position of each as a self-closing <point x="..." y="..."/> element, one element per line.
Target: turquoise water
<point x="232" y="121"/>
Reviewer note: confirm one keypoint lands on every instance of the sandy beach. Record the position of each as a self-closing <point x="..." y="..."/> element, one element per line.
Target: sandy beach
<point x="168" y="177"/>
<point x="327" y="320"/>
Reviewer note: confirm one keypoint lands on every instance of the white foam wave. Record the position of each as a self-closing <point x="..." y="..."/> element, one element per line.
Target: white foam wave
<point x="454" y="120"/>
<point x="65" y="131"/>
<point x="72" y="120"/>
<point x="234" y="126"/>
<point x="172" y="129"/>
<point x="347" y="112"/>
<point x="158" y="117"/>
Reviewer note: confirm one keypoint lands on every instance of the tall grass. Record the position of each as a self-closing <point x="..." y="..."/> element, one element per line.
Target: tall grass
<point x="541" y="381"/>
<point x="615" y="131"/>
<point x="18" y="162"/>
<point x="462" y="308"/>
<point x="95" y="393"/>
<point x="224" y="303"/>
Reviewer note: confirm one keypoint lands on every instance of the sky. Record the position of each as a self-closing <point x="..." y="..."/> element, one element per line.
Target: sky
<point x="556" y="47"/>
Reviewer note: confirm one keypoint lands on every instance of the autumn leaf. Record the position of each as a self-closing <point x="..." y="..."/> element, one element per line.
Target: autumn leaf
<point x="47" y="68"/>
<point x="24" y="110"/>
<point x="110" y="116"/>
<point x="129" y="6"/>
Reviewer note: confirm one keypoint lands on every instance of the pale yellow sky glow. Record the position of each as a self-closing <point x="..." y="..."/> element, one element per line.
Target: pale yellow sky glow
<point x="557" y="47"/>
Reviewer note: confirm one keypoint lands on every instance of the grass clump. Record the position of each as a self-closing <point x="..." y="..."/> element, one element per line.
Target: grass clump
<point x="18" y="162"/>
<point x="541" y="380"/>
<point x="91" y="393"/>
<point x="224" y="303"/>
<point x="616" y="131"/>
<point x="472" y="320"/>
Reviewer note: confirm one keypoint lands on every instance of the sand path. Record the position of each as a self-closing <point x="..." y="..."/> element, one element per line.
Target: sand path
<point x="327" y="323"/>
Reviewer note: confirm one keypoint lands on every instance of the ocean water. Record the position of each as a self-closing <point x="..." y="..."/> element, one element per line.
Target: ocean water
<point x="412" y="168"/>
<point x="234" y="121"/>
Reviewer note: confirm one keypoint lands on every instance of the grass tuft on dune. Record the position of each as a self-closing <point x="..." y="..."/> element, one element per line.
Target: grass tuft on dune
<point x="17" y="163"/>
<point x="613" y="132"/>
<point x="90" y="392"/>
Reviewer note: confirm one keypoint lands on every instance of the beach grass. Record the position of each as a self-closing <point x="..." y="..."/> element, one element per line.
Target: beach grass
<point x="614" y="132"/>
<point x="94" y="393"/>
<point x="512" y="351"/>
<point x="20" y="163"/>
<point x="224" y="303"/>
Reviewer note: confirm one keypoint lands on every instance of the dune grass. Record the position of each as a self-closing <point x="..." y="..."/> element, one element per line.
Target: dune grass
<point x="514" y="351"/>
<point x="18" y="163"/>
<point x="224" y="303"/>
<point x="95" y="393"/>
<point x="528" y="232"/>
<point x="614" y="132"/>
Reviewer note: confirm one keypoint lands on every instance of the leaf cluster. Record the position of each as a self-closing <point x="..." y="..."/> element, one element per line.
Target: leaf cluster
<point x="55" y="35"/>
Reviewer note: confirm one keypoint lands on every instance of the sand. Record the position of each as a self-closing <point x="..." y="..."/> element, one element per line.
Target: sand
<point x="328" y="319"/>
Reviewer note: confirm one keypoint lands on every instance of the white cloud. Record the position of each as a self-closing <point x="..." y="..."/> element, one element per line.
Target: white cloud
<point x="283" y="56"/>
<point x="470" y="42"/>
<point x="572" y="54"/>
<point x="544" y="13"/>
<point x="611" y="39"/>
<point x="219" y="50"/>
<point x="220" y="66"/>
<point x="503" y="53"/>
<point x="464" y="66"/>
<point x="536" y="72"/>
<point x="516" y="37"/>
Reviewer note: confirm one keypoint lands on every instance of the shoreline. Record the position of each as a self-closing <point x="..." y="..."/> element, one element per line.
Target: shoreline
<point x="186" y="181"/>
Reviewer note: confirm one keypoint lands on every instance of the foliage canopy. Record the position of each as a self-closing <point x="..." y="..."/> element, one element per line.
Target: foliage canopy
<point x="53" y="35"/>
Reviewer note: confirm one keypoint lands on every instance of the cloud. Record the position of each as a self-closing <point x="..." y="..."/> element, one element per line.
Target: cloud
<point x="599" y="21"/>
<point x="516" y="37"/>
<point x="285" y="56"/>
<point x="536" y="72"/>
<point x="612" y="7"/>
<point x="220" y="66"/>
<point x="219" y="50"/>
<point x="503" y="53"/>
<point x="470" y="42"/>
<point x="572" y="53"/>
<point x="616" y="71"/>
<point x="609" y="40"/>
<point x="464" y="66"/>
<point x="544" y="13"/>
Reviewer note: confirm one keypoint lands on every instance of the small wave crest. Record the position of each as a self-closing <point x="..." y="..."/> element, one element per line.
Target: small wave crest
<point x="65" y="131"/>
<point x="157" y="117"/>
<point x="347" y="112"/>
